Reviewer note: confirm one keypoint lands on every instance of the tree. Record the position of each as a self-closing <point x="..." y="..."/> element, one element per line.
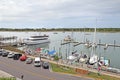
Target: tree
<point x="56" y="58"/>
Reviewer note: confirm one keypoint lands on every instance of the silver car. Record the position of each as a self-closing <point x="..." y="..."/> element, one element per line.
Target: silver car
<point x="10" y="55"/>
<point x="29" y="60"/>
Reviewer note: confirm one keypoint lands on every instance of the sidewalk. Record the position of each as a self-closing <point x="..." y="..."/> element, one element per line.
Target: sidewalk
<point x="5" y="74"/>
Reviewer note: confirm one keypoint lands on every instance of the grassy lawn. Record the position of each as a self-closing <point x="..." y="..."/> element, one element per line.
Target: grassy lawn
<point x="2" y="78"/>
<point x="12" y="49"/>
<point x="59" y="68"/>
<point x="101" y="77"/>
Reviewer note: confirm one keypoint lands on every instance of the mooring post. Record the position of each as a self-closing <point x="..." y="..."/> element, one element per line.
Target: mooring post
<point x="99" y="42"/>
<point x="114" y="42"/>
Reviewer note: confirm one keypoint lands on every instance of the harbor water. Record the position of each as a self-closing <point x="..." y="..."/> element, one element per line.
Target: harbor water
<point x="112" y="53"/>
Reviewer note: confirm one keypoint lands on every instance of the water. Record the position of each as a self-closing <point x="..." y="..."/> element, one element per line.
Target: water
<point x="112" y="53"/>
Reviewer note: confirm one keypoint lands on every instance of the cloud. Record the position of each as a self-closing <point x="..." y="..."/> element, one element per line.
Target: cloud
<point x="52" y="10"/>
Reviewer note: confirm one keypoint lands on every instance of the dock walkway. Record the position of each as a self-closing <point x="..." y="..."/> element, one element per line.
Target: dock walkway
<point x="100" y="44"/>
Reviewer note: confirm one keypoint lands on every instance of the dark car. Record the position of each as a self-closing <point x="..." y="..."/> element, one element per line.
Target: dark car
<point x="17" y="56"/>
<point x="45" y="65"/>
<point x="5" y="53"/>
<point x="1" y="52"/>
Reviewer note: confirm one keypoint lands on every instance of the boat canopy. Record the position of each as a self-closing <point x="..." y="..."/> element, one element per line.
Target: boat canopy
<point x="53" y="52"/>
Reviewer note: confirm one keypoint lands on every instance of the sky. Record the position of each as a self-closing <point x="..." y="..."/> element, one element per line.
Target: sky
<point x="59" y="13"/>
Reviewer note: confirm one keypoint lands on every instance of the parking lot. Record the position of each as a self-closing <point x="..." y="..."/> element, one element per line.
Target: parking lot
<point x="18" y="68"/>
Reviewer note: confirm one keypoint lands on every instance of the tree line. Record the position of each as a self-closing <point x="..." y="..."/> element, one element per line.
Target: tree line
<point x="64" y="29"/>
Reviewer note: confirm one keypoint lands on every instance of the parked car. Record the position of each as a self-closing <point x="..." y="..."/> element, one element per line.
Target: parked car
<point x="10" y="55"/>
<point x="1" y="52"/>
<point x="29" y="60"/>
<point x="45" y="65"/>
<point x="23" y="57"/>
<point x="5" y="53"/>
<point x="37" y="62"/>
<point x="17" y="56"/>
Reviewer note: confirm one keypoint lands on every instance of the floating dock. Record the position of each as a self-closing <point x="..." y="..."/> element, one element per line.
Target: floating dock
<point x="7" y="38"/>
<point x="100" y="44"/>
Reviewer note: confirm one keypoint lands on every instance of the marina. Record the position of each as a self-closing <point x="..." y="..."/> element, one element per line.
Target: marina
<point x="65" y="48"/>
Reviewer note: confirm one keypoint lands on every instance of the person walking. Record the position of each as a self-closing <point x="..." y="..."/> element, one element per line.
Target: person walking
<point x="22" y="76"/>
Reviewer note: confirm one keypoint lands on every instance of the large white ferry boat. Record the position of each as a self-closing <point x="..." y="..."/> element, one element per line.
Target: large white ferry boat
<point x="39" y="39"/>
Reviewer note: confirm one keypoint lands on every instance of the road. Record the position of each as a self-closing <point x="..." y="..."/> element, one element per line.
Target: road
<point x="18" y="68"/>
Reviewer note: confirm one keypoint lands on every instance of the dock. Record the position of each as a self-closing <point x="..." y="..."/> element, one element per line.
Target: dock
<point x="100" y="44"/>
<point x="113" y="45"/>
<point x="10" y="41"/>
<point x="78" y="44"/>
<point x="69" y="42"/>
<point x="7" y="38"/>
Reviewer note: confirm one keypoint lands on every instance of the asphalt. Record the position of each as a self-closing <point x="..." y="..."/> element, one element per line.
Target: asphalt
<point x="18" y="68"/>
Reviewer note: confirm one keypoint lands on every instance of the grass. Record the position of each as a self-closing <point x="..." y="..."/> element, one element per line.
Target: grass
<point x="3" y="78"/>
<point x="101" y="77"/>
<point x="63" y="69"/>
<point x="11" y="48"/>
<point x="96" y="76"/>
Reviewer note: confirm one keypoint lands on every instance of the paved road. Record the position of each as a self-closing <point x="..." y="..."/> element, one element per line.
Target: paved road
<point x="18" y="68"/>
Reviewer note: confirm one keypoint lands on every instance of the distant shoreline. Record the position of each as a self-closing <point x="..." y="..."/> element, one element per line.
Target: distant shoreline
<point x="62" y="30"/>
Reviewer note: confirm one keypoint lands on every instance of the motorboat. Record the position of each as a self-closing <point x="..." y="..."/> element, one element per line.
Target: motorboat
<point x="83" y="58"/>
<point x="71" y="57"/>
<point x="93" y="59"/>
<point x="68" y="38"/>
<point x="33" y="40"/>
<point x="74" y="56"/>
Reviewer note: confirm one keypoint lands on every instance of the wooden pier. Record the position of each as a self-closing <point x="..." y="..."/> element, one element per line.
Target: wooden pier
<point x="100" y="44"/>
<point x="10" y="41"/>
<point x="7" y="38"/>
<point x="68" y="42"/>
<point x="78" y="44"/>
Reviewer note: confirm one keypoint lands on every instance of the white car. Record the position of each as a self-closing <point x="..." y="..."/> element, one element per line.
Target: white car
<point x="10" y="55"/>
<point x="37" y="62"/>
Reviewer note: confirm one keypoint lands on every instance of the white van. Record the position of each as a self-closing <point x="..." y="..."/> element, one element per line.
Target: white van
<point x="37" y="62"/>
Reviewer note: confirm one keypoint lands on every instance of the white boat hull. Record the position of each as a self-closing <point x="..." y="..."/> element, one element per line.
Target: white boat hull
<point x="37" y="42"/>
<point x="93" y="59"/>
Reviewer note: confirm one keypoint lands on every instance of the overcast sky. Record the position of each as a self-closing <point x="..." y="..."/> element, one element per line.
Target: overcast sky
<point x="59" y="13"/>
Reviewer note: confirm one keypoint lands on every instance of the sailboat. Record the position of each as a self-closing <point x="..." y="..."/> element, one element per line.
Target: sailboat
<point x="93" y="58"/>
<point x="69" y="37"/>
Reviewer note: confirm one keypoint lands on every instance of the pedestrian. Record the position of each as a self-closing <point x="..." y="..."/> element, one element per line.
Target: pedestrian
<point x="22" y="77"/>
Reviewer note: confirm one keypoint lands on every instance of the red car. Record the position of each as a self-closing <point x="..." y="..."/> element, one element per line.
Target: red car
<point x="23" y="57"/>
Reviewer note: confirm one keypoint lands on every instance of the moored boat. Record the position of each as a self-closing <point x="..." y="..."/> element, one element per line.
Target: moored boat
<point x="33" y="40"/>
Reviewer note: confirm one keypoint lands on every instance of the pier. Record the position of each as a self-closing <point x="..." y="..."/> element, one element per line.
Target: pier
<point x="10" y="41"/>
<point x="8" y="38"/>
<point x="100" y="44"/>
<point x="113" y="45"/>
<point x="78" y="44"/>
<point x="68" y="42"/>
